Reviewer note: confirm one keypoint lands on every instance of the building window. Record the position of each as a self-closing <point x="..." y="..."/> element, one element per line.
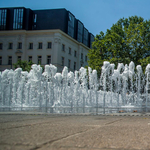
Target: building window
<point x="85" y="37"/>
<point x="10" y="46"/>
<point x="34" y="21"/>
<point x="19" y="45"/>
<point x="19" y="58"/>
<point x="75" y="53"/>
<point x="1" y="46"/>
<point x="62" y="61"/>
<point x="91" y="40"/>
<point x="49" y="45"/>
<point x="30" y="45"/>
<point x="3" y="15"/>
<point x="49" y="59"/>
<point x="30" y="58"/>
<point x="80" y="32"/>
<point x="39" y="59"/>
<point x="0" y="60"/>
<point x="69" y="50"/>
<point x="63" y="47"/>
<point x="82" y="56"/>
<point x="9" y="60"/>
<point x="71" y="20"/>
<point x="74" y="65"/>
<point x="18" y="19"/>
<point x="69" y="63"/>
<point x="40" y="45"/>
<point x="35" y="18"/>
<point x="86" y="58"/>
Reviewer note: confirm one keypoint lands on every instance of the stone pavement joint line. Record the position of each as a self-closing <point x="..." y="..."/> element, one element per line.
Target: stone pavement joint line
<point x="76" y="134"/>
<point x="62" y="138"/>
<point x="113" y="121"/>
<point x="61" y="132"/>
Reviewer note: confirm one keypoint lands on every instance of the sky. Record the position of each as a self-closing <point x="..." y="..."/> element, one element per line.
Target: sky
<point x="96" y="15"/>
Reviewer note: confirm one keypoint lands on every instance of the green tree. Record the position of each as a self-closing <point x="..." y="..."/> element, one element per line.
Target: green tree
<point x="26" y="66"/>
<point x="127" y="40"/>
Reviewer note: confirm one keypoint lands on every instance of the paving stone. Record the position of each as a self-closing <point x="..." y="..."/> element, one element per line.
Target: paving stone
<point x="74" y="132"/>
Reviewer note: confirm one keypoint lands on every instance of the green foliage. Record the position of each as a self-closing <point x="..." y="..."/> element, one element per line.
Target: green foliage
<point x="144" y="62"/>
<point x="26" y="66"/>
<point x="127" y="40"/>
<point x="39" y="63"/>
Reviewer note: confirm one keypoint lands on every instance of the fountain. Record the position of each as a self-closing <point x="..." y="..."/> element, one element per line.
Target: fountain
<point x="123" y="89"/>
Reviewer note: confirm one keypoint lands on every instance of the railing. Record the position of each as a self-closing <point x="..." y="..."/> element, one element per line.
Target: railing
<point x="77" y="110"/>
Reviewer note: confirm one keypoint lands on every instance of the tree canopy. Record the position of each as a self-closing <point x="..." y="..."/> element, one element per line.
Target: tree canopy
<point x="127" y="40"/>
<point x="26" y="66"/>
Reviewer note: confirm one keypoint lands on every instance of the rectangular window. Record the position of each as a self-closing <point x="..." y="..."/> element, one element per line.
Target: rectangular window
<point x="49" y="45"/>
<point x="80" y="32"/>
<point x="74" y="65"/>
<point x="35" y="18"/>
<point x="18" y="18"/>
<point x="69" y="50"/>
<point x="86" y="58"/>
<point x="49" y="59"/>
<point x="34" y="21"/>
<point x="71" y="21"/>
<point x="75" y="53"/>
<point x="0" y="60"/>
<point x="10" y="46"/>
<point x="69" y="63"/>
<point x="39" y="59"/>
<point x="63" y="47"/>
<point x="19" y="45"/>
<point x="82" y="56"/>
<point x="40" y="45"/>
<point x="9" y="60"/>
<point x="62" y="61"/>
<point x="3" y="16"/>
<point x="91" y="39"/>
<point x="30" y="45"/>
<point x="1" y="46"/>
<point x="29" y="58"/>
<point x="19" y="58"/>
<point x="86" y="37"/>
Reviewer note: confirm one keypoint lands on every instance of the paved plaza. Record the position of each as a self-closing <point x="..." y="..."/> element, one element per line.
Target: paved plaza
<point x="31" y="131"/>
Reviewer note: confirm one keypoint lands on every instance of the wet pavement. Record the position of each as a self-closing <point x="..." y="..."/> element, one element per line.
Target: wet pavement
<point x="35" y="131"/>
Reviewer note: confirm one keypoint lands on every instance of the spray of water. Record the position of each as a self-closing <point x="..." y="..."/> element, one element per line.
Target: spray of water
<point x="123" y="87"/>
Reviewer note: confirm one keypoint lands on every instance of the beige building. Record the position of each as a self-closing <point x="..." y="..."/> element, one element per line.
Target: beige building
<point x="42" y="46"/>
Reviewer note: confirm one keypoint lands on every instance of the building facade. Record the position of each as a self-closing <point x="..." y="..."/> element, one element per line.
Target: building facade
<point x="43" y="36"/>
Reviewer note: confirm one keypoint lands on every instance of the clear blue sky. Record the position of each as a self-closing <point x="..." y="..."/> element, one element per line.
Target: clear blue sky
<point x="96" y="15"/>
